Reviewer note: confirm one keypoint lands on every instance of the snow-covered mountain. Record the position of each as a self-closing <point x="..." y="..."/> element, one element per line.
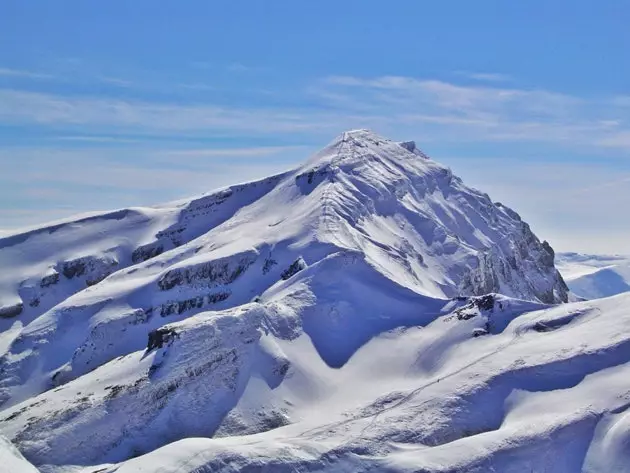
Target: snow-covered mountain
<point x="595" y="276"/>
<point x="365" y="311"/>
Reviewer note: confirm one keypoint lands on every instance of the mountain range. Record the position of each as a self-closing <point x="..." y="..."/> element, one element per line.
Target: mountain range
<point x="366" y="311"/>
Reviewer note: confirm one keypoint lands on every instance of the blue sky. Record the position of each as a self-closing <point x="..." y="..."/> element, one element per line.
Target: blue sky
<point x="112" y="104"/>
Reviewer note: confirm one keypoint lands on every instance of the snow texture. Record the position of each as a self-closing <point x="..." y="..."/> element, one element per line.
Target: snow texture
<point x="364" y="312"/>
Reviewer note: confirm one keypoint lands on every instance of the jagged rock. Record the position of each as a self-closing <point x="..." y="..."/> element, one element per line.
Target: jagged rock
<point x="10" y="311"/>
<point x="94" y="268"/>
<point x="269" y="263"/>
<point x="49" y="280"/>
<point x="214" y="273"/>
<point x="146" y="252"/>
<point x="297" y="266"/>
<point x="159" y="337"/>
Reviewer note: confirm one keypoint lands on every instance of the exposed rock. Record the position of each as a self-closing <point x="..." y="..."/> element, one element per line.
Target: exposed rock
<point x="95" y="269"/>
<point x="297" y="266"/>
<point x="73" y="268"/>
<point x="49" y="280"/>
<point x="9" y="311"/>
<point x="197" y="302"/>
<point x="146" y="252"/>
<point x="159" y="337"/>
<point x="408" y="145"/>
<point x="269" y="263"/>
<point x="214" y="273"/>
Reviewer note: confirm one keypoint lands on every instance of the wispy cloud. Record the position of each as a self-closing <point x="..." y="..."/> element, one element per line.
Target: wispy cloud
<point x="485" y="76"/>
<point x="116" y="81"/>
<point x="96" y="178"/>
<point x="423" y="108"/>
<point x="197" y="86"/>
<point x="485" y="113"/>
<point x="24" y="74"/>
<point x="238" y="67"/>
<point x="99" y="139"/>
<point x="19" y="107"/>
<point x="252" y="152"/>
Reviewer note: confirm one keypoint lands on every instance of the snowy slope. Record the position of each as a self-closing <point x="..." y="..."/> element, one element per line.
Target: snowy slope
<point x="520" y="396"/>
<point x="594" y="276"/>
<point x="11" y="460"/>
<point x="249" y="310"/>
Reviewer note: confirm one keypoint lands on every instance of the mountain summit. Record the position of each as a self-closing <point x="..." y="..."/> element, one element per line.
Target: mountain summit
<point x="130" y="329"/>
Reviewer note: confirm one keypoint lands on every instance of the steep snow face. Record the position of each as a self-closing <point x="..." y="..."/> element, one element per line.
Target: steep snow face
<point x="242" y="310"/>
<point x="420" y="224"/>
<point x="595" y="276"/>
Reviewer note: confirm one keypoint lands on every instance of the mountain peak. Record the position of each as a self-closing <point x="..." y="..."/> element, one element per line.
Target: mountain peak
<point x="367" y="238"/>
<point x="357" y="147"/>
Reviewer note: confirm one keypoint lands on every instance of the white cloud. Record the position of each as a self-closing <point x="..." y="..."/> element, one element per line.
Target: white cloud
<point x="417" y="107"/>
<point x="20" y="107"/>
<point x="24" y="74"/>
<point x="485" y="76"/>
<point x="484" y="113"/>
<point x="104" y="179"/>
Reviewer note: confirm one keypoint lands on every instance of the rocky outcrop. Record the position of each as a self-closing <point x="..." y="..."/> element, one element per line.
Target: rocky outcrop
<point x="10" y="311"/>
<point x="214" y="273"/>
<point x="159" y="337"/>
<point x="93" y="268"/>
<point x="179" y="307"/>
<point x="146" y="252"/>
<point x="297" y="266"/>
<point x="49" y="279"/>
<point x="522" y="265"/>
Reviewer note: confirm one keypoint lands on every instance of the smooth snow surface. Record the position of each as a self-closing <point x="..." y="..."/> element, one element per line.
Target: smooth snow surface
<point x="595" y="276"/>
<point x="364" y="312"/>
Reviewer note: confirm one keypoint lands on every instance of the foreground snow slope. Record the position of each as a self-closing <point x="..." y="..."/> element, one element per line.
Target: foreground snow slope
<point x="11" y="460"/>
<point x="342" y="286"/>
<point x="492" y="384"/>
<point x="594" y="276"/>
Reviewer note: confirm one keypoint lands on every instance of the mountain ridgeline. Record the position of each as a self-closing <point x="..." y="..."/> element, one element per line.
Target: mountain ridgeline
<point x="127" y="330"/>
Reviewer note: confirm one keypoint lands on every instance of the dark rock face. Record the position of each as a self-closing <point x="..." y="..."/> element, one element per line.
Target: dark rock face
<point x="408" y="145"/>
<point x="475" y="306"/>
<point x="10" y="311"/>
<point x="95" y="269"/>
<point x="484" y="302"/>
<point x="49" y="280"/>
<point x="146" y="252"/>
<point x="179" y="307"/>
<point x="159" y="337"/>
<point x="297" y="266"/>
<point x="269" y="263"/>
<point x="214" y="273"/>
<point x="73" y="268"/>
